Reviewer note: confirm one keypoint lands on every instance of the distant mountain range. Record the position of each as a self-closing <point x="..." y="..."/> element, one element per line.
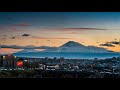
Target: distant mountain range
<point x="28" y="51"/>
<point x="70" y="46"/>
<point x="25" y="47"/>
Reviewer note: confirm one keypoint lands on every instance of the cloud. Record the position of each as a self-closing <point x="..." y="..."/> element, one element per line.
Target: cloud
<point x="37" y="47"/>
<point x="5" y="35"/>
<point x="26" y="35"/>
<point x="12" y="46"/>
<point x="71" y="30"/>
<point x="48" y="37"/>
<point x="10" y="29"/>
<point x="12" y="37"/>
<point x="22" y="24"/>
<point x="111" y="44"/>
<point x="97" y="42"/>
<point x="115" y="42"/>
<point x="48" y="40"/>
<point x="13" y="29"/>
<point x="26" y="47"/>
<point x="107" y="44"/>
<point x="115" y="39"/>
<point x="4" y="38"/>
<point x="83" y="29"/>
<point x="78" y="29"/>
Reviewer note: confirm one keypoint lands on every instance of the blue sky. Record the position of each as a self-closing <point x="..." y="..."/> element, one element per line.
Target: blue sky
<point x="62" y="19"/>
<point x="56" y="28"/>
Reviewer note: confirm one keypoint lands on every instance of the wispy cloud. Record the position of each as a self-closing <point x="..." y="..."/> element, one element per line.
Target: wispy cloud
<point x="26" y="35"/>
<point x="22" y="24"/>
<point x="78" y="29"/>
<point x="82" y="29"/>
<point x="13" y="37"/>
<point x="13" y="29"/>
<point x="107" y="44"/>
<point x="115" y="42"/>
<point x="12" y="46"/>
<point x="110" y="44"/>
<point x="26" y="47"/>
<point x="4" y="38"/>
<point x="9" y="29"/>
<point x="35" y="37"/>
<point x="70" y="30"/>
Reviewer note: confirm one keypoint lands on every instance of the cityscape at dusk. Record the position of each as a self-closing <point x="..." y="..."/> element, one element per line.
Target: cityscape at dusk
<point x="59" y="44"/>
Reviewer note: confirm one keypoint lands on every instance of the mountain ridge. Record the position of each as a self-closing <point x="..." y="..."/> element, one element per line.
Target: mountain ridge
<point x="27" y="50"/>
<point x="72" y="46"/>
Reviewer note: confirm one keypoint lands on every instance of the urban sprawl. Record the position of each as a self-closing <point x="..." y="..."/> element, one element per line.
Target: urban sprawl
<point x="21" y="67"/>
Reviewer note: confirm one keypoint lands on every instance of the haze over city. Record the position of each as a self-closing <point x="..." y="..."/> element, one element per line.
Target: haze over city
<point x="101" y="29"/>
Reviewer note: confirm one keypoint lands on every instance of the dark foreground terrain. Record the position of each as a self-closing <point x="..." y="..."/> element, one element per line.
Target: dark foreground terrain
<point x="54" y="74"/>
<point x="59" y="68"/>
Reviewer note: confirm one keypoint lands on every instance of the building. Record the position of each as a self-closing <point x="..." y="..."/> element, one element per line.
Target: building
<point x="52" y="67"/>
<point x="42" y="66"/>
<point x="8" y="61"/>
<point x="19" y="63"/>
<point x="1" y="61"/>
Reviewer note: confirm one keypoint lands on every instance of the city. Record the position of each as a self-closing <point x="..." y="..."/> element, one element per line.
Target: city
<point x="14" y="67"/>
<point x="59" y="44"/>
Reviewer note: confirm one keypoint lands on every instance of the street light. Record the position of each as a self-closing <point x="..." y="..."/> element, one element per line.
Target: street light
<point x="15" y="57"/>
<point x="25" y="60"/>
<point x="3" y="57"/>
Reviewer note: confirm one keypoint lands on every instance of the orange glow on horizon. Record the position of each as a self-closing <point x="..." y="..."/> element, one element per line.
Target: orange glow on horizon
<point x="8" y="51"/>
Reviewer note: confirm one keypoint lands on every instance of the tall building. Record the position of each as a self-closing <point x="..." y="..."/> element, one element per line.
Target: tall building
<point x="8" y="61"/>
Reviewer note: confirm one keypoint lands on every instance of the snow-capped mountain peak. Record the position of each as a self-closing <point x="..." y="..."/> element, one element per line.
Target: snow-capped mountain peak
<point x="72" y="44"/>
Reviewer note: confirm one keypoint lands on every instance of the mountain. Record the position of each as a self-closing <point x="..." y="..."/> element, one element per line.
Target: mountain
<point x="27" y="50"/>
<point x="72" y="46"/>
<point x="29" y="47"/>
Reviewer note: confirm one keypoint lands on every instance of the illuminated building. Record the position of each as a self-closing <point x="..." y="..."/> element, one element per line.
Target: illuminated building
<point x="19" y="63"/>
<point x="8" y="61"/>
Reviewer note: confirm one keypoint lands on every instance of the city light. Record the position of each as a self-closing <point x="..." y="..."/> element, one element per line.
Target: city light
<point x="19" y="63"/>
<point x="3" y="57"/>
<point x="15" y="57"/>
<point x="25" y="60"/>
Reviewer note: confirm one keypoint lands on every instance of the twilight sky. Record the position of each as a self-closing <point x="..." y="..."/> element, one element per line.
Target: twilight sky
<point x="57" y="28"/>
